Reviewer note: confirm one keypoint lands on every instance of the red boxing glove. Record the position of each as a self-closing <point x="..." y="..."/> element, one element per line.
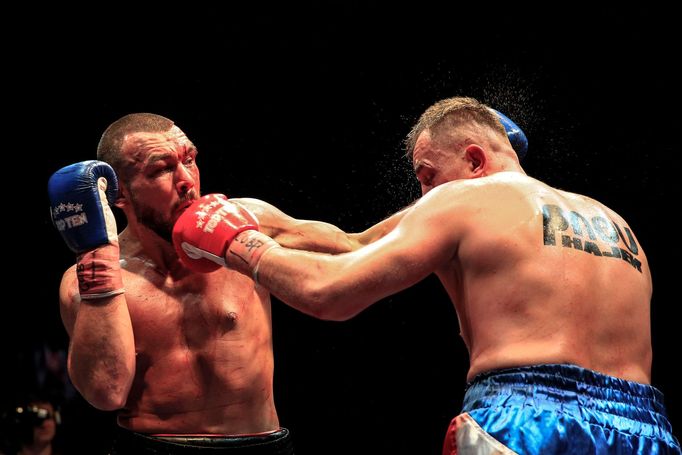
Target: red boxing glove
<point x="204" y="231"/>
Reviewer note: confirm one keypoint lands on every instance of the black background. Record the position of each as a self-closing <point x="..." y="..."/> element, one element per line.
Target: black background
<point x="305" y="106"/>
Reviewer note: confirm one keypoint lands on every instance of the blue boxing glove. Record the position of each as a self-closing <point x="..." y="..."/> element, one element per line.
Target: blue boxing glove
<point x="80" y="195"/>
<point x="515" y="134"/>
<point x="79" y="204"/>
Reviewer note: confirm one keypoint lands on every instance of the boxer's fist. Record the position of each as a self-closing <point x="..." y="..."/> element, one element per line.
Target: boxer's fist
<point x="204" y="231"/>
<point x="80" y="195"/>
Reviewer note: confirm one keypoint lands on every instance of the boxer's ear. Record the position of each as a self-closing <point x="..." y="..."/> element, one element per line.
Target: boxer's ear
<point x="477" y="159"/>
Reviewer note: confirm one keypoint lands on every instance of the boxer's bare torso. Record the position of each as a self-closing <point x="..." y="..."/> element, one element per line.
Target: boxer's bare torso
<point x="545" y="276"/>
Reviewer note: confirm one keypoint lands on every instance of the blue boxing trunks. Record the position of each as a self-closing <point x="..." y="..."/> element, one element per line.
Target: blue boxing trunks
<point x="272" y="443"/>
<point x="559" y="409"/>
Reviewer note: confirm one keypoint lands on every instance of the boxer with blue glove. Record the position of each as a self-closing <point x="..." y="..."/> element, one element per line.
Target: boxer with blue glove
<point x="184" y="355"/>
<point x="552" y="291"/>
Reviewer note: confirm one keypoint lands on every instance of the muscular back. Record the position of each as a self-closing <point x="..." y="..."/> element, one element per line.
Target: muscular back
<point x="545" y="276"/>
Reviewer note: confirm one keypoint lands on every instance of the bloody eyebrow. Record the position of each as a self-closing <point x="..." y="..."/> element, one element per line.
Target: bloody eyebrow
<point x="164" y="156"/>
<point x="155" y="158"/>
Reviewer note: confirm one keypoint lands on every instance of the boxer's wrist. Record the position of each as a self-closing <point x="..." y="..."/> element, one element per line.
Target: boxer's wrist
<point x="246" y="251"/>
<point x="99" y="273"/>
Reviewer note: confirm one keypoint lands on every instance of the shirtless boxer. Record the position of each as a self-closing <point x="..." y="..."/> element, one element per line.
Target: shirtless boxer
<point x="186" y="358"/>
<point x="552" y="291"/>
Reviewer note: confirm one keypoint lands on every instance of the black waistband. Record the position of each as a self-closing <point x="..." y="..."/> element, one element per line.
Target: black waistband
<point x="275" y="443"/>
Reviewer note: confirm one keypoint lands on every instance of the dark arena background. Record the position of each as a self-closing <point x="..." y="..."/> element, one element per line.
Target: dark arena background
<point x="306" y="107"/>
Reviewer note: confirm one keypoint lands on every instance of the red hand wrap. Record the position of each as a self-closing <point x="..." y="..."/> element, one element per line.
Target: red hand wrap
<point x="99" y="273"/>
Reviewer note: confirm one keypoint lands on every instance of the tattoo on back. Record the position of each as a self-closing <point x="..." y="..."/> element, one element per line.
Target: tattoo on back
<point x="598" y="236"/>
